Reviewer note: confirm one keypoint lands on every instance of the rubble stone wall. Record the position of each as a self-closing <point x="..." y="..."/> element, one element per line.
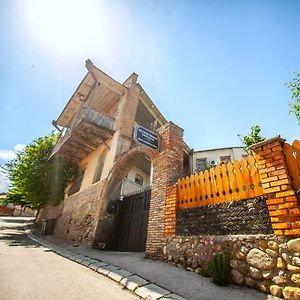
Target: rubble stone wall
<point x="267" y="262"/>
<point x="79" y="214"/>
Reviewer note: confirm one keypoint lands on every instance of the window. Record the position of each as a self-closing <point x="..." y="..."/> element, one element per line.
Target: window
<point x="139" y="179"/>
<point x="201" y="164"/>
<point x="225" y="159"/>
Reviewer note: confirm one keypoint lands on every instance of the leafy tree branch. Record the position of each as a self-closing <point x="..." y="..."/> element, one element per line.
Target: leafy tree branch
<point x="294" y="86"/>
<point x="253" y="137"/>
<point x="35" y="179"/>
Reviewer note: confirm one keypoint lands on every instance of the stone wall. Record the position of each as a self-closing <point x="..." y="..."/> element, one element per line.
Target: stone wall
<point x="79" y="214"/>
<point x="267" y="262"/>
<point x="237" y="217"/>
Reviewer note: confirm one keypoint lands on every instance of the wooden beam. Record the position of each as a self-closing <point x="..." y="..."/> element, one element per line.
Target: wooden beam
<point x="104" y="79"/>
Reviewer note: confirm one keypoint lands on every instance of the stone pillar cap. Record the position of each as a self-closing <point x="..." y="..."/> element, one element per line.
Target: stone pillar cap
<point x="276" y="138"/>
<point x="166" y="125"/>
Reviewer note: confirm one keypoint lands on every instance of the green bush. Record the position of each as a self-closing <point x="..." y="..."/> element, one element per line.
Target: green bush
<point x="221" y="269"/>
<point x="218" y="269"/>
<point x="207" y="269"/>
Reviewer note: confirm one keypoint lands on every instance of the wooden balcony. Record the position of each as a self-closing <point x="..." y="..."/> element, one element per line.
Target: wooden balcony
<point x="87" y="130"/>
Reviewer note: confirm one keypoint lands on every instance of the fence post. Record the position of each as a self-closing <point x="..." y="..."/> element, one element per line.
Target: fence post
<point x="282" y="201"/>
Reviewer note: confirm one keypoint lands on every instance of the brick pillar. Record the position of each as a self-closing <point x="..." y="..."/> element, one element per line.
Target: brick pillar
<point x="170" y="210"/>
<point x="276" y="184"/>
<point x="167" y="168"/>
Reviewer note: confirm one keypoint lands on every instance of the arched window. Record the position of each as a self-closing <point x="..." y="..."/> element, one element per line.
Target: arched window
<point x="139" y="179"/>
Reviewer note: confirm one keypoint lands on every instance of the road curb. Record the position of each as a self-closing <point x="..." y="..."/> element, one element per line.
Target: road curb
<point x="133" y="282"/>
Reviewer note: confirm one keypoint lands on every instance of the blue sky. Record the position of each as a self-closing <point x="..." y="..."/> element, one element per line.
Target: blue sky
<point x="214" y="68"/>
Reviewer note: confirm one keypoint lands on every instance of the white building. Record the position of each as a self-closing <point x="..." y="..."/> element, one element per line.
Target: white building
<point x="204" y="158"/>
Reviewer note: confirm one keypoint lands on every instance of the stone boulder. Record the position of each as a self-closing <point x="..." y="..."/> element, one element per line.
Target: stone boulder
<point x="291" y="293"/>
<point x="296" y="279"/>
<point x="237" y="277"/>
<point x="259" y="259"/>
<point x="255" y="273"/>
<point x="276" y="290"/>
<point x="294" y="245"/>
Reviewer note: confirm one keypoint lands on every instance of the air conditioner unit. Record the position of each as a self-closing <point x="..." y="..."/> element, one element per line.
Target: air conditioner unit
<point x="212" y="163"/>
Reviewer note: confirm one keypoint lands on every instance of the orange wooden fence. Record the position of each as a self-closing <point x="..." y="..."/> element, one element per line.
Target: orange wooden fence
<point x="225" y="183"/>
<point x="292" y="156"/>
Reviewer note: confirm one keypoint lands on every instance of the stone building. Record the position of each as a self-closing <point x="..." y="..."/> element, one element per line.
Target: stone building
<point x="110" y="198"/>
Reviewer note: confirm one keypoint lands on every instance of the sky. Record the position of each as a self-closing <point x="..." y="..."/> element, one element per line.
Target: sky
<point x="215" y="68"/>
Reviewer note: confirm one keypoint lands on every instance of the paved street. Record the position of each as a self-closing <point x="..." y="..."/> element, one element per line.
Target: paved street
<point x="29" y="271"/>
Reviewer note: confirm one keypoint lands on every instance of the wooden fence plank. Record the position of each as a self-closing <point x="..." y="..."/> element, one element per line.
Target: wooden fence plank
<point x="219" y="184"/>
<point x="182" y="192"/>
<point x="207" y="188"/>
<point x="296" y="149"/>
<point x="188" y="191"/>
<point x="191" y="202"/>
<point x="239" y="180"/>
<point x="202" y="187"/>
<point x="197" y="190"/>
<point x="292" y="165"/>
<point x="246" y="177"/>
<point x="225" y="182"/>
<point x="213" y="185"/>
<point x="255" y="179"/>
<point x="232" y="181"/>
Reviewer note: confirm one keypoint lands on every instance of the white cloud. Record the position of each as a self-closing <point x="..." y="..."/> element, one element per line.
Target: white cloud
<point x="7" y="154"/>
<point x="4" y="183"/>
<point x="19" y="147"/>
<point x="11" y="154"/>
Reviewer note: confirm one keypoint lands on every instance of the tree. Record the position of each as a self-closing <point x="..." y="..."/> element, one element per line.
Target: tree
<point x="253" y="137"/>
<point x="294" y="87"/>
<point x="36" y="180"/>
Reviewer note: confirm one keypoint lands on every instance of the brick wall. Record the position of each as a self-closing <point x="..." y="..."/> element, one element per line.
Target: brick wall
<point x="170" y="210"/>
<point x="282" y="202"/>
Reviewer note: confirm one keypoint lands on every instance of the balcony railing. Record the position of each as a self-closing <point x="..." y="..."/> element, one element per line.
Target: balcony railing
<point x="101" y="121"/>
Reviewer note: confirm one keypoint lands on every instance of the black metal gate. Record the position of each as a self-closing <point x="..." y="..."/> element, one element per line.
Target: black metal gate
<point x="130" y="233"/>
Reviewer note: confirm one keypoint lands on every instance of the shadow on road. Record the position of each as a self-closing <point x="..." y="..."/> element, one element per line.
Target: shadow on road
<point x="17" y="238"/>
<point x="12" y="233"/>
<point x="15" y="220"/>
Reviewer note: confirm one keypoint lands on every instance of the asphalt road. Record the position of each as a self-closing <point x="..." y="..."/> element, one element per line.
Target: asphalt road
<point x="30" y="271"/>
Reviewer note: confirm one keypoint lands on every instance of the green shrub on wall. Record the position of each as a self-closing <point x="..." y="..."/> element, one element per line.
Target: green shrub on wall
<point x="221" y="269"/>
<point x="217" y="264"/>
